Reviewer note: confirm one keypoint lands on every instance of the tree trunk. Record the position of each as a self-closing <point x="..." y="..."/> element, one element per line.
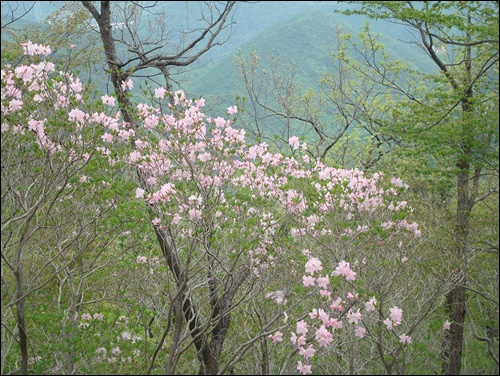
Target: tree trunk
<point x="21" y="324"/>
<point x="456" y="297"/>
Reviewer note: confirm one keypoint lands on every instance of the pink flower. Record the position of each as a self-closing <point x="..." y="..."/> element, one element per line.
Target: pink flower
<point x="305" y="369"/>
<point x="370" y="305"/>
<point x="116" y="351"/>
<point x="324" y="293"/>
<point x="127" y="85"/>
<point x="195" y="214"/>
<point x="353" y="317"/>
<point x="35" y="49"/>
<point x="350" y="295"/>
<point x="204" y="157"/>
<point x="301" y="341"/>
<point x="200" y="102"/>
<point x="106" y="99"/>
<point x="232" y="110"/>
<point x="276" y="337"/>
<point x="396" y="314"/>
<point x="139" y="193"/>
<point x="343" y="268"/>
<point x="336" y="305"/>
<point x="15" y="105"/>
<point x="388" y="324"/>
<point x="278" y="296"/>
<point x="359" y="332"/>
<point x="307" y="353"/>
<point x="179" y="97"/>
<point x="107" y="137"/>
<point x="308" y="280"/>
<point x="405" y="339"/>
<point x="76" y="86"/>
<point x="76" y="115"/>
<point x="446" y="325"/>
<point x="294" y="142"/>
<point x="160" y="92"/>
<point x="323" y="336"/>
<point x="313" y="314"/>
<point x="335" y="324"/>
<point x="302" y="327"/>
<point x="313" y="265"/>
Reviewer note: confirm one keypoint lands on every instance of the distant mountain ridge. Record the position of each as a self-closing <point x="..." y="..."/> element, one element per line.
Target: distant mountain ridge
<point x="298" y="31"/>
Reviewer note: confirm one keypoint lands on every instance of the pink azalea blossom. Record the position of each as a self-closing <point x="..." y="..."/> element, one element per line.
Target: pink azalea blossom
<point x="15" y="105"/>
<point x="353" y="317"/>
<point x="370" y="305"/>
<point x="313" y="314"/>
<point x="232" y="110"/>
<point x="337" y="305"/>
<point x="127" y="85"/>
<point x="343" y="268"/>
<point x="276" y="337"/>
<point x="107" y="137"/>
<point x="323" y="336"/>
<point x="403" y="338"/>
<point x="352" y="296"/>
<point x="160" y="92"/>
<point x="301" y="341"/>
<point x="359" y="332"/>
<point x="307" y="352"/>
<point x="396" y="314"/>
<point x="446" y="325"/>
<point x="302" y="327"/>
<point x="305" y="369"/>
<point x="294" y="142"/>
<point x="139" y="193"/>
<point x="313" y="265"/>
<point x="109" y="100"/>
<point x="308" y="280"/>
<point x="179" y="97"/>
<point x="335" y="323"/>
<point x="388" y="324"/>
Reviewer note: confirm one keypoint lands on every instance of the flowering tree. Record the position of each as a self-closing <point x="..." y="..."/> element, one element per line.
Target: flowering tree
<point x="237" y="225"/>
<point x="226" y="213"/>
<point x="56" y="226"/>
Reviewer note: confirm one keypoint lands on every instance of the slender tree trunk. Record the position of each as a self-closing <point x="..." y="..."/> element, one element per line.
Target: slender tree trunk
<point x="456" y="298"/>
<point x="21" y="313"/>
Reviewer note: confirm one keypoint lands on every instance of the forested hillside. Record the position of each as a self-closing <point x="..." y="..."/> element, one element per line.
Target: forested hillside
<point x="250" y="187"/>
